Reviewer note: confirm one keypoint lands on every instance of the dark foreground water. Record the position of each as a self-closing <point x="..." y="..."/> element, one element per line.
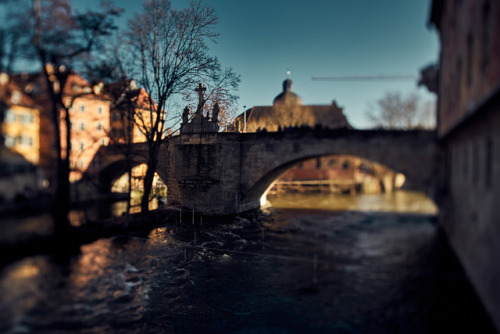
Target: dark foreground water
<point x="313" y="270"/>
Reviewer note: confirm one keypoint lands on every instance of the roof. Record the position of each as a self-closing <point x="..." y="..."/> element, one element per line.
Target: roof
<point x="124" y="90"/>
<point x="288" y="111"/>
<point x="33" y="84"/>
<point x="12" y="94"/>
<point x="278" y="116"/>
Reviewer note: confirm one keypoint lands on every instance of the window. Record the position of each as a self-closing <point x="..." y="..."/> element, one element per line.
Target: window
<point x="99" y="110"/>
<point x="99" y="126"/>
<point x="9" y="141"/>
<point x="470" y="59"/>
<point x="82" y="146"/>
<point x="10" y="116"/>
<point x="318" y="163"/>
<point x="465" y="161"/>
<point x="103" y="141"/>
<point x="332" y="162"/>
<point x="27" y="118"/>
<point x="16" y="97"/>
<point x="82" y="108"/>
<point x="489" y="164"/>
<point x="486" y="37"/>
<point x="81" y="125"/>
<point x="27" y="140"/>
<point x="475" y="163"/>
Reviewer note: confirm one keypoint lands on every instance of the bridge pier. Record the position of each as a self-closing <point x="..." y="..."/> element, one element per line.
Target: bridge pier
<point x="204" y="174"/>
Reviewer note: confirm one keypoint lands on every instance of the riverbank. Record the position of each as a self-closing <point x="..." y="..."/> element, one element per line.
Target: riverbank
<point x="38" y="238"/>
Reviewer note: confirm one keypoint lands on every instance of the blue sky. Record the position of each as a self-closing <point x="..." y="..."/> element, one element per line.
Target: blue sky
<point x="262" y="39"/>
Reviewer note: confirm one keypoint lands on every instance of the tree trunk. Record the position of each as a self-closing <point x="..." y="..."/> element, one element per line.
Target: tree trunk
<point x="61" y="202"/>
<point x="148" y="184"/>
<point x="129" y="192"/>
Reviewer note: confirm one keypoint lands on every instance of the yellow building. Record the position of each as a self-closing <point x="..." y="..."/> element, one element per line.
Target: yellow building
<point x="21" y="123"/>
<point x="89" y="115"/>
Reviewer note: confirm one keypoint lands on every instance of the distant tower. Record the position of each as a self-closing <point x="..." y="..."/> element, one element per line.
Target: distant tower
<point x="287" y="97"/>
<point x="287" y="85"/>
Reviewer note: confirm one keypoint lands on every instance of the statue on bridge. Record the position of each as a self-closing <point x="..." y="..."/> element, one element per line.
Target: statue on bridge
<point x="199" y="123"/>
<point x="185" y="115"/>
<point x="215" y="113"/>
<point x="201" y="100"/>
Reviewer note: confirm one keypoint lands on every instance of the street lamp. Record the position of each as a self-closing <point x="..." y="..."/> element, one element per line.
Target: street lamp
<point x="245" y="119"/>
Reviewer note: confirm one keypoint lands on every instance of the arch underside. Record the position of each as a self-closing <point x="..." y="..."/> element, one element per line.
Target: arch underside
<point x="108" y="176"/>
<point x="266" y="182"/>
<point x="412" y="155"/>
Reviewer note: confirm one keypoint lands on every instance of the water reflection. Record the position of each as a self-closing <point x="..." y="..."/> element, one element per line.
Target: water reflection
<point x="294" y="271"/>
<point x="399" y="201"/>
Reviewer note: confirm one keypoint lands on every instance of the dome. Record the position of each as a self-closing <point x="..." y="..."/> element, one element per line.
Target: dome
<point x="287" y="97"/>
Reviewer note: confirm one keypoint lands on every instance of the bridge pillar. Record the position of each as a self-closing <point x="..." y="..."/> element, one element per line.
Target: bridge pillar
<point x="205" y="173"/>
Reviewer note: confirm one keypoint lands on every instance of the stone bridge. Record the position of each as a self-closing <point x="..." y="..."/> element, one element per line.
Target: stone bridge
<point x="226" y="173"/>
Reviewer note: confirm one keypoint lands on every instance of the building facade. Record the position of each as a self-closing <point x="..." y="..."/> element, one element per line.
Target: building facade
<point x="89" y="110"/>
<point x="20" y="145"/>
<point x="21" y="121"/>
<point x="90" y="123"/>
<point x="288" y="111"/>
<point x="469" y="131"/>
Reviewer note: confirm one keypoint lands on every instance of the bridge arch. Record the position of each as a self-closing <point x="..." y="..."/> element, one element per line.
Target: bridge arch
<point x="112" y="172"/>
<point x="375" y="174"/>
<point x="412" y="153"/>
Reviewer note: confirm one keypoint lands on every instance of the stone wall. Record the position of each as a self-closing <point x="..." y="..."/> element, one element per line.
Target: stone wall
<point x="470" y="210"/>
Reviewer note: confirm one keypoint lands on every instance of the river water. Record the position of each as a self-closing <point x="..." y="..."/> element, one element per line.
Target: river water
<point x="309" y="264"/>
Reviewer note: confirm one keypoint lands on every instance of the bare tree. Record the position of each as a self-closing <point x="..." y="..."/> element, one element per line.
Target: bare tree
<point x="172" y="58"/>
<point x="395" y="111"/>
<point x="60" y="38"/>
<point x="14" y="33"/>
<point x="113" y="65"/>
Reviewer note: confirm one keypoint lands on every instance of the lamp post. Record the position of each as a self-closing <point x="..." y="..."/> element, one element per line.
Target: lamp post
<point x="245" y="119"/>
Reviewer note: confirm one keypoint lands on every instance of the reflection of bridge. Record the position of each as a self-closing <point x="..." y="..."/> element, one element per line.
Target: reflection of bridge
<point x="224" y="173"/>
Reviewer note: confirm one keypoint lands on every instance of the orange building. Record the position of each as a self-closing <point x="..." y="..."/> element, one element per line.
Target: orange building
<point x="130" y="120"/>
<point x="90" y="126"/>
<point x="89" y="113"/>
<point x="130" y="112"/>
